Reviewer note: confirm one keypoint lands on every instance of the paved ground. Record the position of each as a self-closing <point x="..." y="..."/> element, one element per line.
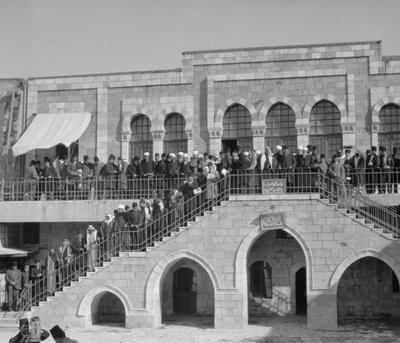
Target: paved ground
<point x="262" y="330"/>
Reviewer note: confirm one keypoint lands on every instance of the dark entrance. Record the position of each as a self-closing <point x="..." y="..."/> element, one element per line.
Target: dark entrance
<point x="229" y="145"/>
<point x="301" y="291"/>
<point x="185" y="291"/>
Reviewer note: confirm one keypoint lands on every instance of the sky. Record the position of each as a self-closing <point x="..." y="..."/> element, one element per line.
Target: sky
<point x="70" y="37"/>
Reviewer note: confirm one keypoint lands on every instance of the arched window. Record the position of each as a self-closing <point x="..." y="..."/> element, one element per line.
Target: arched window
<point x="325" y="129"/>
<point x="389" y="129"/>
<point x="141" y="139"/>
<point x="280" y="127"/>
<point x="237" y="127"/>
<point x="175" y="139"/>
<point x="260" y="280"/>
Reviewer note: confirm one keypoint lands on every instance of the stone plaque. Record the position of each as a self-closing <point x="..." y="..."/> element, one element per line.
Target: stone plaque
<point x="273" y="186"/>
<point x="272" y="221"/>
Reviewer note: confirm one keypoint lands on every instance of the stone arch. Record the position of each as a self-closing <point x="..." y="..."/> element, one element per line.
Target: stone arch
<point x="328" y="97"/>
<point x="375" y="121"/>
<point x="174" y="109"/>
<point x="241" y="260"/>
<point x="85" y="305"/>
<point x="347" y="262"/>
<point x="276" y="100"/>
<point x="152" y="292"/>
<point x="219" y="114"/>
<point x="127" y="119"/>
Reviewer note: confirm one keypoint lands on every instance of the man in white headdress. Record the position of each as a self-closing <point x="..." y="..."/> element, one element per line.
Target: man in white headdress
<point x="106" y="232"/>
<point x="91" y="248"/>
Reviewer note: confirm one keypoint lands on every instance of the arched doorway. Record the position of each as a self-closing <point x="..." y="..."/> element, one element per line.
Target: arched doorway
<point x="325" y="129"/>
<point x="368" y="289"/>
<point x="272" y="263"/>
<point x="389" y="128"/>
<point x="280" y="127"/>
<point x="301" y="291"/>
<point x="175" y="139"/>
<point x="187" y="292"/>
<point x="108" y="309"/>
<point x="237" y="131"/>
<point x="141" y="138"/>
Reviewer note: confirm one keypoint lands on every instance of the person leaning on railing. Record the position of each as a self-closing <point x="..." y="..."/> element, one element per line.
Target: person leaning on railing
<point x="49" y="175"/>
<point x="31" y="181"/>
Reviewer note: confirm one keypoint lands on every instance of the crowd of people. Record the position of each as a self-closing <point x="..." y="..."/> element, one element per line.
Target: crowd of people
<point x="374" y="171"/>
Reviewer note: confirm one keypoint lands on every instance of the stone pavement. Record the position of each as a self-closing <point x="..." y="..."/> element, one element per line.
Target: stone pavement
<point x="261" y="330"/>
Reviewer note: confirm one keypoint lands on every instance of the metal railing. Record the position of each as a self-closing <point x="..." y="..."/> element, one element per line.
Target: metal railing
<point x="138" y="237"/>
<point x="127" y="238"/>
<point x="346" y="196"/>
<point x="84" y="189"/>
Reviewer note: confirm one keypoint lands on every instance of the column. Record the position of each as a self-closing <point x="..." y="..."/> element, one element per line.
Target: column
<point x="258" y="137"/>
<point x="190" y="141"/>
<point x="348" y="135"/>
<point x="374" y="134"/>
<point x="158" y="142"/>
<point x="102" y="123"/>
<point x="125" y="139"/>
<point x="303" y="129"/>
<point x="321" y="310"/>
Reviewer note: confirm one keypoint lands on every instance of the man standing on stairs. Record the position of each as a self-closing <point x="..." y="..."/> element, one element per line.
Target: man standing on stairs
<point x="13" y="286"/>
<point x="106" y="230"/>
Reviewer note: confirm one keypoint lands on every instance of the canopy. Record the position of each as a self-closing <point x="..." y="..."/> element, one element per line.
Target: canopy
<point x="49" y="129"/>
<point x="11" y="252"/>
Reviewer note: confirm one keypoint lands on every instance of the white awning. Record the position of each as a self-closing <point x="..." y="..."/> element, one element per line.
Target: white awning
<point x="49" y="129"/>
<point x="11" y="252"/>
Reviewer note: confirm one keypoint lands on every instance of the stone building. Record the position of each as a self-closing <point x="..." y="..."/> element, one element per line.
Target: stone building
<point x="227" y="264"/>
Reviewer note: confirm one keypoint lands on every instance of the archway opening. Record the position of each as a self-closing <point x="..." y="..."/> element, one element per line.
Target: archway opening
<point x="108" y="309"/>
<point x="301" y="291"/>
<point x="325" y="129"/>
<point x="389" y="128"/>
<point x="237" y="133"/>
<point x="273" y="263"/>
<point x="368" y="290"/>
<point x="280" y="127"/>
<point x="141" y="138"/>
<point x="175" y="139"/>
<point x="187" y="295"/>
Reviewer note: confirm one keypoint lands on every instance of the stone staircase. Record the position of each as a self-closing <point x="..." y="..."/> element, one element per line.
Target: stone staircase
<point x="10" y="320"/>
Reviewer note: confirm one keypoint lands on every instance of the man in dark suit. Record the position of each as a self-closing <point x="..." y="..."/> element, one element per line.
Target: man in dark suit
<point x="13" y="286"/>
<point x="36" y="277"/>
<point x="372" y="165"/>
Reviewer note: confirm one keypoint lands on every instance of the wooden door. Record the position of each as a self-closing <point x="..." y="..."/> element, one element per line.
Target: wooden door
<point x="185" y="291"/>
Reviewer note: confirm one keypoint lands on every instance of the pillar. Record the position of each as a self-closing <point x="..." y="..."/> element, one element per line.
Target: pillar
<point x="214" y="145"/>
<point x="258" y="137"/>
<point x="102" y="123"/>
<point x="302" y="129"/>
<point x="374" y="134"/>
<point x="190" y="141"/>
<point x="321" y="310"/>
<point x="229" y="311"/>
<point x="125" y="142"/>
<point x="158" y="142"/>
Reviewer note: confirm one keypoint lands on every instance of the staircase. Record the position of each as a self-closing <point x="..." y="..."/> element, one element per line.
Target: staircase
<point x="171" y="225"/>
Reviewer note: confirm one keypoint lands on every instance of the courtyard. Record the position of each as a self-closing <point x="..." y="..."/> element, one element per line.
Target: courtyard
<point x="261" y="330"/>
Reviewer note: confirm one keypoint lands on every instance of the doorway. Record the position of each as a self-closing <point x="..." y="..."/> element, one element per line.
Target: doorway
<point x="185" y="291"/>
<point x="301" y="291"/>
<point x="229" y="145"/>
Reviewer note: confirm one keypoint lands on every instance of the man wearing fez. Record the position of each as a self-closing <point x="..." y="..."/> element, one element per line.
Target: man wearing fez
<point x="59" y="336"/>
<point x="13" y="285"/>
<point x="23" y="334"/>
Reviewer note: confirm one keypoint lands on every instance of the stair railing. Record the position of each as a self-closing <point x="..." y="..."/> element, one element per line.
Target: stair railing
<point x="339" y="191"/>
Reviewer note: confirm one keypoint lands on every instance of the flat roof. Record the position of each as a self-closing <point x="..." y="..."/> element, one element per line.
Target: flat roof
<point x="281" y="47"/>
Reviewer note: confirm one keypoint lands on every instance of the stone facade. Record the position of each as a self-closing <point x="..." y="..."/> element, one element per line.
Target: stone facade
<point x="354" y="77"/>
<point x="222" y="243"/>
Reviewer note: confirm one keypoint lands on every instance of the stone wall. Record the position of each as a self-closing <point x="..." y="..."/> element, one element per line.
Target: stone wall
<point x="366" y="290"/>
<point x="330" y="240"/>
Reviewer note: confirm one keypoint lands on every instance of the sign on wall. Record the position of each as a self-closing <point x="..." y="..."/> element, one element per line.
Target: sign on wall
<point x="273" y="186"/>
<point x="272" y="221"/>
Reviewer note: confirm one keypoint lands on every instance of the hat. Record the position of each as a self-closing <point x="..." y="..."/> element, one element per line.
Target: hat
<point x="86" y="157"/>
<point x="278" y="147"/>
<point x="146" y="154"/>
<point x="180" y="153"/>
<point x="46" y="159"/>
<point x="23" y="321"/>
<point x="284" y="147"/>
<point x="57" y="332"/>
<point x="258" y="152"/>
<point x="172" y="155"/>
<point x="136" y="158"/>
<point x="90" y="227"/>
<point x="373" y="148"/>
<point x="358" y="152"/>
<point x="121" y="207"/>
<point x="246" y="153"/>
<point x="111" y="157"/>
<point x="322" y="156"/>
<point x="185" y="155"/>
<point x="96" y="159"/>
